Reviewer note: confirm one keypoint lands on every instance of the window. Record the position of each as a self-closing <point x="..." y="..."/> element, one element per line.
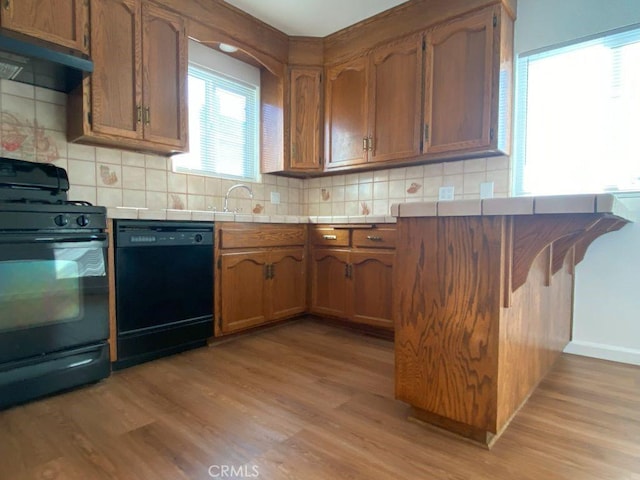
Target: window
<point x="577" y="117"/>
<point x="223" y="117"/>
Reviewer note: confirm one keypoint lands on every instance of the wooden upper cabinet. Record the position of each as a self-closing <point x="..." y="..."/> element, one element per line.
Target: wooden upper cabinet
<point x="396" y="100"/>
<point x="464" y="84"/>
<point x="116" y="93"/>
<point x="305" y="119"/>
<point x="137" y="97"/>
<point x="346" y="113"/>
<point x="63" y="22"/>
<point x="164" y="55"/>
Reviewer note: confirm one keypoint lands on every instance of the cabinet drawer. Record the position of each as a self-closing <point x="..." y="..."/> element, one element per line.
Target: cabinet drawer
<point x="330" y="237"/>
<point x="375" y="238"/>
<point x="238" y="236"/>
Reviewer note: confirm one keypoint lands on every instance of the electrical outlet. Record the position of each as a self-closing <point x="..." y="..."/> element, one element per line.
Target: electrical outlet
<point x="275" y="198"/>
<point x="446" y="194"/>
<point x="486" y="190"/>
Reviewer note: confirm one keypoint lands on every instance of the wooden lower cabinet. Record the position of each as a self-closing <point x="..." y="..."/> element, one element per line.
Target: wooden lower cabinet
<point x="329" y="282"/>
<point x="371" y="275"/>
<point x="353" y="285"/>
<point x="260" y="286"/>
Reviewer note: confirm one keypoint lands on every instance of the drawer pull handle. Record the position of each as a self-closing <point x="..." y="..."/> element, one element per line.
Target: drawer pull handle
<point x="329" y="237"/>
<point x="374" y="238"/>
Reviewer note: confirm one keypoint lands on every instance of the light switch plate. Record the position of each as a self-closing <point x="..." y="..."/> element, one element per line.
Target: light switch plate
<point x="275" y="198"/>
<point x="446" y="194"/>
<point x="486" y="190"/>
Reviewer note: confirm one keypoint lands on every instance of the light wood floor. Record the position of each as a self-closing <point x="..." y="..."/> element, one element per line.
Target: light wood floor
<point x="310" y="401"/>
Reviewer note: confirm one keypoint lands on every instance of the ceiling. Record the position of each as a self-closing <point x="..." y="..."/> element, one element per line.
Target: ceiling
<point x="313" y="18"/>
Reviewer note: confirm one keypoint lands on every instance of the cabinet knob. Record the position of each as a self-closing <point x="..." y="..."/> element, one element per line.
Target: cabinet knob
<point x="7" y="4"/>
<point x="370" y="143"/>
<point x="147" y="115"/>
<point x="329" y="237"/>
<point x="139" y="110"/>
<point x="365" y="143"/>
<point x="374" y="238"/>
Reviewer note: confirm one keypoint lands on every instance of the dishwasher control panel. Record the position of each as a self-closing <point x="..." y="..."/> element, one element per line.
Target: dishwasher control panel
<point x="149" y="233"/>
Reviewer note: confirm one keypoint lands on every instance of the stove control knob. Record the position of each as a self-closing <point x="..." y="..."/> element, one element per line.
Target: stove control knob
<point x="61" y="220"/>
<point x="82" y="220"/>
<point x="198" y="238"/>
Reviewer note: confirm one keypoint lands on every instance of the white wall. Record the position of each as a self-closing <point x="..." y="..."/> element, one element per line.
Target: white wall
<point x="607" y="296"/>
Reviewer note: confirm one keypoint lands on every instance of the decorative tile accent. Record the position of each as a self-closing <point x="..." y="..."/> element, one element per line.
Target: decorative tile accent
<point x="325" y="194"/>
<point x="414" y="188"/>
<point x="365" y="208"/>
<point x="107" y="176"/>
<point x="176" y="201"/>
<point x="258" y="209"/>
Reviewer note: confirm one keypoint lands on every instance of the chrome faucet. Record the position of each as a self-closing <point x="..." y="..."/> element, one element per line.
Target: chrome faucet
<point x="238" y="185"/>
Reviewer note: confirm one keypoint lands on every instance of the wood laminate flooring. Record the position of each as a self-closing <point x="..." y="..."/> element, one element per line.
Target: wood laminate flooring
<point x="311" y="401"/>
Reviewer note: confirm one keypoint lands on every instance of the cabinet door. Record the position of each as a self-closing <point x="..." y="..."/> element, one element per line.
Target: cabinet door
<point x="287" y="283"/>
<point x="164" y="57"/>
<point x="346" y="114"/>
<point x="305" y="129"/>
<point x="372" y="278"/>
<point x="116" y="99"/>
<point x="242" y="290"/>
<point x="63" y="22"/>
<point x="396" y="100"/>
<point x="329" y="293"/>
<point x="458" y="90"/>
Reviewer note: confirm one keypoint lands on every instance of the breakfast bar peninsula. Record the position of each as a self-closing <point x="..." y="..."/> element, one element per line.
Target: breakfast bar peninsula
<point x="483" y="296"/>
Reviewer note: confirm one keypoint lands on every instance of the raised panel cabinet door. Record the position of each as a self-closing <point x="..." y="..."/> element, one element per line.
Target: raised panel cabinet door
<point x="287" y="283"/>
<point x="458" y="89"/>
<point x="329" y="282"/>
<point x="63" y="22"/>
<point x="396" y="100"/>
<point x="306" y="118"/>
<point x="164" y="59"/>
<point x="372" y="285"/>
<point x="116" y="99"/>
<point x="346" y="114"/>
<point x="242" y="290"/>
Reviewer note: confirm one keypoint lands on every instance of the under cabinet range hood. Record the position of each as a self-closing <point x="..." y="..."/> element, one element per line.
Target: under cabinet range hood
<point x="37" y="63"/>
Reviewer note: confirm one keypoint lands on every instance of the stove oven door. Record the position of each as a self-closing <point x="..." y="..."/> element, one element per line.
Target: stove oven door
<point x="53" y="293"/>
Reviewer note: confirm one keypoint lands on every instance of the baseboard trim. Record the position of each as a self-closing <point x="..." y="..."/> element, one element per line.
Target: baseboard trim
<point x="604" y="352"/>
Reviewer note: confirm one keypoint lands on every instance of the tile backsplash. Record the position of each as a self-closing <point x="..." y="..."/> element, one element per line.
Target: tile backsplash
<point x="33" y="127"/>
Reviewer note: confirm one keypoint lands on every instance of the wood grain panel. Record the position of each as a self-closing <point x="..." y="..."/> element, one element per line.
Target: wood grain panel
<point x="62" y="22"/>
<point x="603" y="226"/>
<point x="372" y="282"/>
<point x="260" y="236"/>
<point x="447" y="308"/>
<point x="116" y="90"/>
<point x="287" y="289"/>
<point x="396" y="98"/>
<point x="306" y="118"/>
<point x="346" y="113"/>
<point x="164" y="53"/>
<point x="533" y="333"/>
<point x="243" y="290"/>
<point x="329" y="283"/>
<point x="272" y="119"/>
<point x="306" y="51"/>
<point x="406" y="18"/>
<point x="459" y="80"/>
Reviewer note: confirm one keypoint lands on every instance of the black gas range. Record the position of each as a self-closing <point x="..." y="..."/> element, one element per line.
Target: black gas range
<point x="54" y="319"/>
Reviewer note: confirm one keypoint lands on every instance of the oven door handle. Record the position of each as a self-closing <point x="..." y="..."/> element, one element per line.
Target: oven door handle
<point x="44" y="238"/>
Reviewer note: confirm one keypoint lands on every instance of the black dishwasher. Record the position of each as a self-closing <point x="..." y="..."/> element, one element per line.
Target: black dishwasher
<point x="164" y="288"/>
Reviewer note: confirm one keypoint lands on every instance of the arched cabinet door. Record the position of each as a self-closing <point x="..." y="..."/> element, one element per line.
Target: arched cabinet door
<point x="287" y="282"/>
<point x="346" y="113"/>
<point x="330" y="294"/>
<point x="243" y="290"/>
<point x="371" y="277"/>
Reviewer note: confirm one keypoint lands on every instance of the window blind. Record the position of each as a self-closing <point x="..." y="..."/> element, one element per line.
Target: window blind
<point x="577" y="115"/>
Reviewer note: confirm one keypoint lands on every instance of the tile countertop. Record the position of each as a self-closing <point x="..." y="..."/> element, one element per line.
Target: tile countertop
<point x="199" y="215"/>
<point x="585" y="203"/>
